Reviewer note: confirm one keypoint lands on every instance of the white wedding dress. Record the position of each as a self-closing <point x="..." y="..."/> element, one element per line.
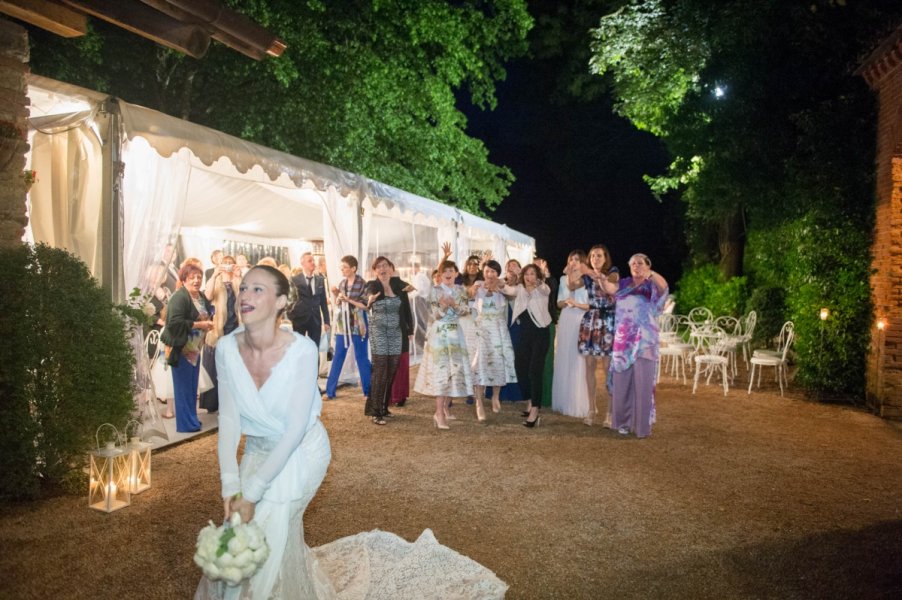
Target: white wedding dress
<point x="285" y="460"/>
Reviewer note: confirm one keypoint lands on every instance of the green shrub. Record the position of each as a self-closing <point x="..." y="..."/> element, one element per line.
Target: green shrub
<point x="829" y="267"/>
<point x="65" y="368"/>
<point x="769" y="303"/>
<point x="705" y="286"/>
<point x="819" y="260"/>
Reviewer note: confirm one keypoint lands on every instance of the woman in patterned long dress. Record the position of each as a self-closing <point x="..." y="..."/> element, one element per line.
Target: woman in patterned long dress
<point x="640" y="300"/>
<point x="445" y="369"/>
<point x="384" y="304"/>
<point x="569" y="394"/>
<point x="493" y="362"/>
<point x="596" y="332"/>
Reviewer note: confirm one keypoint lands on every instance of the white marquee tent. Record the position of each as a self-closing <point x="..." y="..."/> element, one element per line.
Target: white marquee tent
<point x="118" y="182"/>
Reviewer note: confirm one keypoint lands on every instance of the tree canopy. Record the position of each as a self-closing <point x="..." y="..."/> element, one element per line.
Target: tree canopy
<point x="365" y="85"/>
<point x="772" y="139"/>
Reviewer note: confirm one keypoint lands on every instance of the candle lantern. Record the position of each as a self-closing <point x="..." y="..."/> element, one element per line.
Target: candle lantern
<point x="138" y="465"/>
<point x="139" y="459"/>
<point x="108" y="488"/>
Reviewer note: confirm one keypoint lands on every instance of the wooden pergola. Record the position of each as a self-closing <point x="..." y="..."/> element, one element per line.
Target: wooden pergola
<point x="183" y="25"/>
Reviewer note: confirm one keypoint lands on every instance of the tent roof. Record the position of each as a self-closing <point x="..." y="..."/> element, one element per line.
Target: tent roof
<point x="57" y="103"/>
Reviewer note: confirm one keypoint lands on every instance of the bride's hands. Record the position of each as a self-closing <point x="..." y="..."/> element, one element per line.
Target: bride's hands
<point x="243" y="507"/>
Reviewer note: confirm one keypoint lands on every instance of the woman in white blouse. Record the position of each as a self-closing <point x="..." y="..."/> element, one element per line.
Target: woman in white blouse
<point x="569" y="394"/>
<point x="531" y="301"/>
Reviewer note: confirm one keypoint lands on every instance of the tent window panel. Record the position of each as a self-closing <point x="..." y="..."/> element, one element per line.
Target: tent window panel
<point x="402" y="243"/>
<point x="254" y="252"/>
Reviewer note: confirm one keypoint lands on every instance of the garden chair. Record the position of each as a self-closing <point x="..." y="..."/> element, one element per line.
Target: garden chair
<point x="778" y="362"/>
<point x="786" y="332"/>
<point x="733" y="329"/>
<point x="748" y="331"/>
<point x="700" y="316"/>
<point x="152" y="343"/>
<point x="673" y="351"/>
<point x="711" y="356"/>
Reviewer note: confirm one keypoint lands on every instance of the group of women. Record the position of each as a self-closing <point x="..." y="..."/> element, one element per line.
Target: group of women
<point x="489" y="329"/>
<point x="605" y="320"/>
<point x="613" y="321"/>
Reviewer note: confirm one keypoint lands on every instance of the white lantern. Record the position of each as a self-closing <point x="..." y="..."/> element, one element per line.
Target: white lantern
<point x="138" y="465"/>
<point x="108" y="488"/>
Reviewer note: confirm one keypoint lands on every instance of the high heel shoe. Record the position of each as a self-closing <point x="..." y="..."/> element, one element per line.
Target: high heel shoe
<point x="496" y="405"/>
<point x="378" y="421"/>
<point x="437" y="424"/>
<point x="524" y="413"/>
<point x="590" y="419"/>
<point x="535" y="423"/>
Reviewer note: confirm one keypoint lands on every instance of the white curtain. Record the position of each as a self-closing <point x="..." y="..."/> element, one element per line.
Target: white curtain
<point x="340" y="231"/>
<point x="66" y="202"/>
<point x="154" y="193"/>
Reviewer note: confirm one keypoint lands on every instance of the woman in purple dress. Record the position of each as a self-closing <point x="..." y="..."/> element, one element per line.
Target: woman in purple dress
<point x="640" y="299"/>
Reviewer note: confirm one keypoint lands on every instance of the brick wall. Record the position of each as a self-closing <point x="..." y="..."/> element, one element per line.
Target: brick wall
<point x="884" y="374"/>
<point x="13" y="128"/>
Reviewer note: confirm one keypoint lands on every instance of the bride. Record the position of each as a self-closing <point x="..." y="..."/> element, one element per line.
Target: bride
<point x="268" y="391"/>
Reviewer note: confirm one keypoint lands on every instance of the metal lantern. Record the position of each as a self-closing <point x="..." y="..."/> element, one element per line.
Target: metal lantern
<point x="108" y="488"/>
<point x="138" y="458"/>
<point x="138" y="465"/>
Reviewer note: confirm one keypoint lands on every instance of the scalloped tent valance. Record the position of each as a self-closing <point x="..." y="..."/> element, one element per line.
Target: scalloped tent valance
<point x="179" y="176"/>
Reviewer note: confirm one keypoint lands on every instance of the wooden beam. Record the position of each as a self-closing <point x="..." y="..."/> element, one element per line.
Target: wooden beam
<point x="143" y="20"/>
<point x="51" y="16"/>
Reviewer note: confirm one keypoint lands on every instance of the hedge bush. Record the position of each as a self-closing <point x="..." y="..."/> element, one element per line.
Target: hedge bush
<point x="65" y="368"/>
<point x="705" y="286"/>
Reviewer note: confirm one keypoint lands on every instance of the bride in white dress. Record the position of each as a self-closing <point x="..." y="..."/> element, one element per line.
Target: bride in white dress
<point x="268" y="391"/>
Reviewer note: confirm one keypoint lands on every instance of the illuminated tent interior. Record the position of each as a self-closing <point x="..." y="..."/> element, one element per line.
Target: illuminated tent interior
<point x="180" y="183"/>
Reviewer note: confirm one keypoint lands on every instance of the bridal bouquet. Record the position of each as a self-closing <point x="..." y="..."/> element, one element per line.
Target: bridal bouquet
<point x="231" y="552"/>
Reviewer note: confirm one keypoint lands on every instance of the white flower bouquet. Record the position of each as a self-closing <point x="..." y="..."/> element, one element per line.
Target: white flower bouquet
<point x="231" y="552"/>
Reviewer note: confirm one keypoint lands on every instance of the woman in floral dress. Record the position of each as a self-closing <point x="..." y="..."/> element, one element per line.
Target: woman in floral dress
<point x="493" y="362"/>
<point x="445" y="369"/>
<point x="640" y="300"/>
<point x="596" y="332"/>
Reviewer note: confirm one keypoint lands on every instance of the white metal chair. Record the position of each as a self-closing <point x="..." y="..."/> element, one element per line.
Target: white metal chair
<point x="700" y="316"/>
<point x="711" y="356"/>
<point x="152" y="343"/>
<point x="673" y="351"/>
<point x="733" y="329"/>
<point x="786" y="332"/>
<point x="748" y="331"/>
<point x="778" y="362"/>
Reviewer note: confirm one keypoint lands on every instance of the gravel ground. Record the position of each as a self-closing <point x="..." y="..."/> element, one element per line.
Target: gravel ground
<point x="732" y="497"/>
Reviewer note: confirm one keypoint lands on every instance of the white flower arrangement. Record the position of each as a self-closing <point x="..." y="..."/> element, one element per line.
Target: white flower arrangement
<point x="231" y="552"/>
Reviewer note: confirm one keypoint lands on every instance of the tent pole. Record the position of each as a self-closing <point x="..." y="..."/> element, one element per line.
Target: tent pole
<point x="111" y="276"/>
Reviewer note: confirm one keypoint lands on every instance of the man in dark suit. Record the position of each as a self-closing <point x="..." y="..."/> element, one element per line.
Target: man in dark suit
<point x="310" y="312"/>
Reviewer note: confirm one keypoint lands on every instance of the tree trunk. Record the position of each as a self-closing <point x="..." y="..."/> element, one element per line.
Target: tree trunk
<point x="731" y="244"/>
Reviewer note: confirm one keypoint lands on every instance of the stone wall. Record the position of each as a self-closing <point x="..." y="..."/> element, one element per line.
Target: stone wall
<point x="884" y="378"/>
<point x="13" y="131"/>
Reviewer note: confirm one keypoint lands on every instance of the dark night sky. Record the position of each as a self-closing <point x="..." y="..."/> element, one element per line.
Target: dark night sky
<point x="578" y="170"/>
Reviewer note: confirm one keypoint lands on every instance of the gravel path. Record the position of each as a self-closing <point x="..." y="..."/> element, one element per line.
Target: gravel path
<point x="739" y="497"/>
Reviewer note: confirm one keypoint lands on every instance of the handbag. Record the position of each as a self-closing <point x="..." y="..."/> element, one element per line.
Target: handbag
<point x="324" y="342"/>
